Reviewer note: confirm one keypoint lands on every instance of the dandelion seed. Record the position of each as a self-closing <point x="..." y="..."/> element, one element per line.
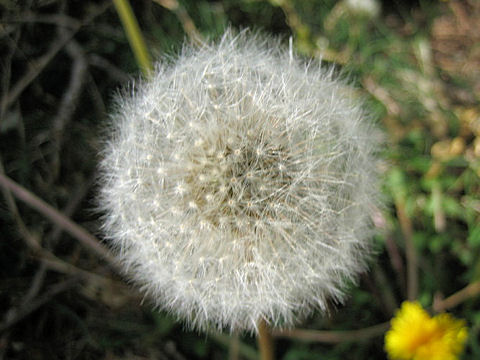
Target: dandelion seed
<point x="261" y="180"/>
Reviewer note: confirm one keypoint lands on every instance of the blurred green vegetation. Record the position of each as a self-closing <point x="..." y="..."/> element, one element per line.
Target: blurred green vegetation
<point x="416" y="63"/>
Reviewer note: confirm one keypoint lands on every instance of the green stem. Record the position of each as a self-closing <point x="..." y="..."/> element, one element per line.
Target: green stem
<point x="134" y="35"/>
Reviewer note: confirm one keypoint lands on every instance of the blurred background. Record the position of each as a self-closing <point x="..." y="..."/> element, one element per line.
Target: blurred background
<point x="417" y="63"/>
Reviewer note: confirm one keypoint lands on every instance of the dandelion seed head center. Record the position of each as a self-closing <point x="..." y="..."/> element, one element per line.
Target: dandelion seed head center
<point x="237" y="179"/>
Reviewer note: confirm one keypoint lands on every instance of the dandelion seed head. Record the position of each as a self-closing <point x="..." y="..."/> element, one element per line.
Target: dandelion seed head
<point x="257" y="175"/>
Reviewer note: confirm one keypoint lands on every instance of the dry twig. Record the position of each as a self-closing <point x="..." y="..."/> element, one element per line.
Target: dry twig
<point x="460" y="296"/>
<point x="85" y="238"/>
<point x="17" y="314"/>
<point x="40" y="63"/>
<point x="184" y="18"/>
<point x="68" y="102"/>
<point x="334" y="337"/>
<point x="411" y="253"/>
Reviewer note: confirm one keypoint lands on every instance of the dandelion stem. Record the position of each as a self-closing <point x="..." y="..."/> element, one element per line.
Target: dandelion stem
<point x="134" y="35"/>
<point x="234" y="347"/>
<point x="265" y="341"/>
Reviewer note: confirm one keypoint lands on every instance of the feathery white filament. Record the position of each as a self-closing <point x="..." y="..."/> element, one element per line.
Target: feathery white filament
<point x="238" y="185"/>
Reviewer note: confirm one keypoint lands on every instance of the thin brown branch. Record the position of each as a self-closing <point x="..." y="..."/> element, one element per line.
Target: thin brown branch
<point x="382" y="95"/>
<point x="17" y="314"/>
<point x="36" y="284"/>
<point x="35" y="69"/>
<point x="396" y="261"/>
<point x="457" y="298"/>
<point x="47" y="258"/>
<point x="6" y="73"/>
<point x="54" y="263"/>
<point x="31" y="241"/>
<point x="380" y="288"/>
<point x="184" y="18"/>
<point x="410" y="251"/>
<point x="333" y="337"/>
<point x="54" y="19"/>
<point x="74" y="201"/>
<point x="69" y="101"/>
<point x="70" y="96"/>
<point x="38" y="65"/>
<point x="82" y="235"/>
<point x="94" y="92"/>
<point x="113" y="71"/>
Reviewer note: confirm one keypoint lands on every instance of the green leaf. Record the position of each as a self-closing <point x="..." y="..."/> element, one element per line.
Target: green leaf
<point x="396" y="183"/>
<point x="474" y="237"/>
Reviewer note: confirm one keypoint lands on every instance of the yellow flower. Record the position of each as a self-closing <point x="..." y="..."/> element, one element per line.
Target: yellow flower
<point x="414" y="335"/>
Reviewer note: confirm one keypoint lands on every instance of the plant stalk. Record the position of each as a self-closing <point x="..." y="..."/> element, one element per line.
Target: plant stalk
<point x="265" y="341"/>
<point x="134" y="35"/>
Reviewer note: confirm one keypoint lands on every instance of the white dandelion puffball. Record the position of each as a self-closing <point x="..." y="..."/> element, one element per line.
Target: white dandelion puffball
<point x="238" y="185"/>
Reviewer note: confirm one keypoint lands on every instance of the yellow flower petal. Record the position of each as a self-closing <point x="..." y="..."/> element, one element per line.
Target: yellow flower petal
<point x="415" y="335"/>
